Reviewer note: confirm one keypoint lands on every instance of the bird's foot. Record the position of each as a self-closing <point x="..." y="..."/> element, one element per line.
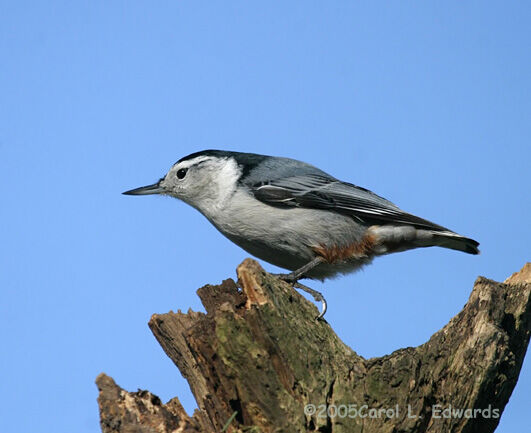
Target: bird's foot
<point x="293" y="279"/>
<point x="317" y="296"/>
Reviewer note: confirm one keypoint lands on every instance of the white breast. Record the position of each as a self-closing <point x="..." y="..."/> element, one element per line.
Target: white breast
<point x="294" y="231"/>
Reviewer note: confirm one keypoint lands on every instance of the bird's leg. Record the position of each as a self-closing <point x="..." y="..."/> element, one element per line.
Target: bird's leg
<point x="293" y="278"/>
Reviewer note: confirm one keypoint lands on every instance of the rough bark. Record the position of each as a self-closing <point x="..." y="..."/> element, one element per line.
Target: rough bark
<point x="257" y="358"/>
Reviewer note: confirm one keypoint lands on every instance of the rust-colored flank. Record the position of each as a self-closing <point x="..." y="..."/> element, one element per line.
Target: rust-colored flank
<point x="363" y="248"/>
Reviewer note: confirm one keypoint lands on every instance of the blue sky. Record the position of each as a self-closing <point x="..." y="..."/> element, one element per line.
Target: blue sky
<point x="426" y="104"/>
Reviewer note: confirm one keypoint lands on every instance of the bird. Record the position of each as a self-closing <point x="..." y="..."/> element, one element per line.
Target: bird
<point x="296" y="216"/>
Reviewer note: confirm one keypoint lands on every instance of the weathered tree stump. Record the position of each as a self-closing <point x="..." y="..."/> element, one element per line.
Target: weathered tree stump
<point x="258" y="361"/>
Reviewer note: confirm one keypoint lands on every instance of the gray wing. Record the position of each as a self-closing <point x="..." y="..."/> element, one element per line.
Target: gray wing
<point x="322" y="192"/>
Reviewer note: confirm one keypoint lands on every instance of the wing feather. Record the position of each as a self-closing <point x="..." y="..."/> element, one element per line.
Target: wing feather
<point x="322" y="192"/>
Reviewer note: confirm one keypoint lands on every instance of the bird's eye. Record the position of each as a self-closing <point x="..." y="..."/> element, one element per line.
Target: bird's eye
<point x="181" y="173"/>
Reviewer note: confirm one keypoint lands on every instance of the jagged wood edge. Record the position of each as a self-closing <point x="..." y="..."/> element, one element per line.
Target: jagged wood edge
<point x="258" y="352"/>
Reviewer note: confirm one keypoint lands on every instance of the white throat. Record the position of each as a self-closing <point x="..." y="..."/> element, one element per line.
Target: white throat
<point x="222" y="185"/>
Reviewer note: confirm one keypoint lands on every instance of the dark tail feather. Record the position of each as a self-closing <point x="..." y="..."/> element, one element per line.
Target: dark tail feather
<point x="456" y="242"/>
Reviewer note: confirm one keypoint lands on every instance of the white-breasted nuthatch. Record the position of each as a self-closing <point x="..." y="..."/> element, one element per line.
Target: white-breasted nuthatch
<point x="296" y="216"/>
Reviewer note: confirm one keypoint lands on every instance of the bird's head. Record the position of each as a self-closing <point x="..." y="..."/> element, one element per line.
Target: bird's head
<point x="204" y="180"/>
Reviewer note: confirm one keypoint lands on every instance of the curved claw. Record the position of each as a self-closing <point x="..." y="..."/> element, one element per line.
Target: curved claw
<point x="293" y="279"/>
<point x="317" y="296"/>
<point x="323" y="311"/>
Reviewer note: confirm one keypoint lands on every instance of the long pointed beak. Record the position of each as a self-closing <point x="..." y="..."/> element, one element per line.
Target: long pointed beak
<point x="146" y="190"/>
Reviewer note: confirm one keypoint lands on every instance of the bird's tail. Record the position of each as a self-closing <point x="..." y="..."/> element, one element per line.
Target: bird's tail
<point x="455" y="242"/>
<point x="392" y="239"/>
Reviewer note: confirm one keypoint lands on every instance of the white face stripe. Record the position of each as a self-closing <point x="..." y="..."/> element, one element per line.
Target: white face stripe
<point x="188" y="163"/>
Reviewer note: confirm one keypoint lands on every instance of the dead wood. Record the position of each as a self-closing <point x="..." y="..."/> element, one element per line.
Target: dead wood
<point x="258" y="358"/>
